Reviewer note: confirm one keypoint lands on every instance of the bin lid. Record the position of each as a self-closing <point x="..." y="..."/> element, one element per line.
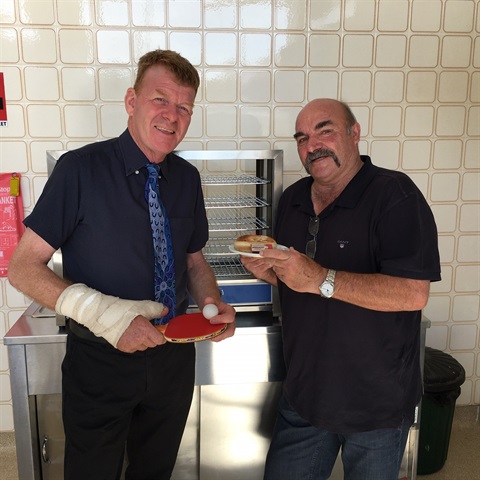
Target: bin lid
<point x="442" y="372"/>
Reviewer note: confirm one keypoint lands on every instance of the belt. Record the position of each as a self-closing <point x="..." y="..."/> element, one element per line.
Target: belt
<point x="83" y="332"/>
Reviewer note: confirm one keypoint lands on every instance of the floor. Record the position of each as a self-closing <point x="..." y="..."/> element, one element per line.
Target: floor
<point x="8" y="458"/>
<point x="463" y="462"/>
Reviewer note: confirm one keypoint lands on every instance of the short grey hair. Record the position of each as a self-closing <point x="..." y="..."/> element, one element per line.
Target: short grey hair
<point x="349" y="117"/>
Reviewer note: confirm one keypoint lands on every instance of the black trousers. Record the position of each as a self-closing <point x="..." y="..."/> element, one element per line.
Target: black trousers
<point x="114" y="400"/>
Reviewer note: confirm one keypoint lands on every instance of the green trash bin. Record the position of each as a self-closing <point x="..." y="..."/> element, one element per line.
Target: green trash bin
<point x="442" y="378"/>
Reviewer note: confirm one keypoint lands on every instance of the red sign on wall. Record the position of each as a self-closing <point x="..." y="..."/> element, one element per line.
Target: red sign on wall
<point x="11" y="218"/>
<point x="3" y="103"/>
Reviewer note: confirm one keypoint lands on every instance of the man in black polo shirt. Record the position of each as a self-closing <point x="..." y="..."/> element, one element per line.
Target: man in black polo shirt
<point x="122" y="383"/>
<point x="363" y="251"/>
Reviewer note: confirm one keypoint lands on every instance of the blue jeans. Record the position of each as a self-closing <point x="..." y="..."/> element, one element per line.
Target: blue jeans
<point x="300" y="451"/>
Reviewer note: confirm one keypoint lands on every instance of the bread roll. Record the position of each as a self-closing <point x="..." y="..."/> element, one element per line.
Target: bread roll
<point x="254" y="243"/>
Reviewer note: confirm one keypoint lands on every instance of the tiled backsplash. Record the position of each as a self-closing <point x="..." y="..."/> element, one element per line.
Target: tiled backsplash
<point x="409" y="68"/>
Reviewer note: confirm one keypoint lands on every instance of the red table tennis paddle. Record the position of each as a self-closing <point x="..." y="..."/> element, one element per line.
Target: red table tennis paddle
<point x="190" y="327"/>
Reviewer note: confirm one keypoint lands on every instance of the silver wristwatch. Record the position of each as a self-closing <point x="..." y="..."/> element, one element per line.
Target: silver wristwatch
<point x="327" y="288"/>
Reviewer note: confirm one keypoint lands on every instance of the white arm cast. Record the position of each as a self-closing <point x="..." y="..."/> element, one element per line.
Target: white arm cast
<point x="106" y="316"/>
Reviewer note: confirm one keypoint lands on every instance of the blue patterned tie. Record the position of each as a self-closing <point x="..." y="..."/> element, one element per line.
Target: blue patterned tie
<point x="162" y="245"/>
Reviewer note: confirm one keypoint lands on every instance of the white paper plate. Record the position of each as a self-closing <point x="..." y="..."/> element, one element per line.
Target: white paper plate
<point x="250" y="254"/>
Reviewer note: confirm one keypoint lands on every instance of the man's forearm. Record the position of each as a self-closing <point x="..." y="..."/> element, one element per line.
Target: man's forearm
<point x="201" y="280"/>
<point x="381" y="292"/>
<point x="29" y="273"/>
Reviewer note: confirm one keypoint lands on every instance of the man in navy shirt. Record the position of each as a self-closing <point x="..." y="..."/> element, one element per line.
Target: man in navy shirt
<point x="123" y="385"/>
<point x="363" y="251"/>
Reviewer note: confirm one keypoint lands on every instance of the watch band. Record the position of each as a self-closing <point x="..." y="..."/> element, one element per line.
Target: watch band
<point x="330" y="278"/>
<point x="327" y="288"/>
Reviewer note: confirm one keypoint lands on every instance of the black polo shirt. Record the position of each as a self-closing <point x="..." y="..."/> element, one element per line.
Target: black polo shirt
<point x="93" y="207"/>
<point x="350" y="368"/>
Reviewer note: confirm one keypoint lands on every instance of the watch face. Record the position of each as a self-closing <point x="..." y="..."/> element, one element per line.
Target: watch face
<point x="327" y="289"/>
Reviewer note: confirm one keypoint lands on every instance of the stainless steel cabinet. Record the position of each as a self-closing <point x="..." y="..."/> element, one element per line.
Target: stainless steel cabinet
<point x="51" y="438"/>
<point x="241" y="190"/>
<point x="235" y="431"/>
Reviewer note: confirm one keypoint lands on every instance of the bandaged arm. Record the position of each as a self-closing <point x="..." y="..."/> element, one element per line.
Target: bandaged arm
<point x="106" y="316"/>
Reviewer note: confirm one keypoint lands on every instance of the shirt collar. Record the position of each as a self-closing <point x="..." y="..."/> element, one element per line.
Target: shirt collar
<point x="354" y="190"/>
<point x="350" y="195"/>
<point x="134" y="159"/>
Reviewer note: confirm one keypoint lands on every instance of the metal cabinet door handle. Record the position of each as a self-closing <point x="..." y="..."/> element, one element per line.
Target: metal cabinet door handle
<point x="45" y="449"/>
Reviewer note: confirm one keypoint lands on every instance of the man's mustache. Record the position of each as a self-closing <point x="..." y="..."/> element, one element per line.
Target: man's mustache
<point x="321" y="152"/>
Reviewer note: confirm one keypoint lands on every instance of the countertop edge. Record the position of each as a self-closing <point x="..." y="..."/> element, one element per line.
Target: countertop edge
<point x="29" y="329"/>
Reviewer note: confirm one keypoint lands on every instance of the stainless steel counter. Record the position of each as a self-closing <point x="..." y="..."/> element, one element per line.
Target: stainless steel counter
<point x="254" y="354"/>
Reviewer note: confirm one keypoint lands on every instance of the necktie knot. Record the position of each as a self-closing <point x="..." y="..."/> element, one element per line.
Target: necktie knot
<point x="153" y="170"/>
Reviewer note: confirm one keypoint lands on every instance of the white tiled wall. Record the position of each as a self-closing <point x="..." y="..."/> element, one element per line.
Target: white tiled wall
<point x="409" y="68"/>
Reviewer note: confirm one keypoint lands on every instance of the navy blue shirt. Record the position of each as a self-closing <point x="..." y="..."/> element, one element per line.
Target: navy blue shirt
<point x="93" y="207"/>
<point x="349" y="368"/>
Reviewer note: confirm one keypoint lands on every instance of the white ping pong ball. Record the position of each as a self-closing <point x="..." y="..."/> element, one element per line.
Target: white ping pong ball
<point x="210" y="310"/>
